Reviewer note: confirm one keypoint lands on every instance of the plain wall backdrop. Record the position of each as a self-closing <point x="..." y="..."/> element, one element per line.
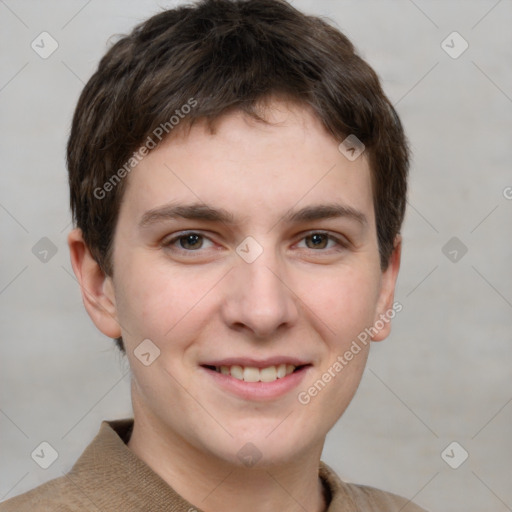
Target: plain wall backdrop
<point x="444" y="374"/>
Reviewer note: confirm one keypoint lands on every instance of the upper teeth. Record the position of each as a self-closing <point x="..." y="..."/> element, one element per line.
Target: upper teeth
<point x="252" y="374"/>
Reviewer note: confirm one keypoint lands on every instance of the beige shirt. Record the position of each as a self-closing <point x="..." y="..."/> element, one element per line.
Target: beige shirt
<point x="109" y="477"/>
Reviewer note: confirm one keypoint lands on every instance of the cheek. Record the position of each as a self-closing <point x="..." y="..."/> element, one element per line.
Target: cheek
<point x="345" y="300"/>
<point x="158" y="302"/>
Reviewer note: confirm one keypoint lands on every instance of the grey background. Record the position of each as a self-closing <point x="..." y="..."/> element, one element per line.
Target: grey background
<point x="443" y="375"/>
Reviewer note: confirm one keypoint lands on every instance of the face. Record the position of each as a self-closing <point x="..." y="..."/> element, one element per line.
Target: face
<point x="249" y="259"/>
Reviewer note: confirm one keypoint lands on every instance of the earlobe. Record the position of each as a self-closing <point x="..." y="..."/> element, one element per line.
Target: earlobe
<point x="385" y="310"/>
<point x="96" y="287"/>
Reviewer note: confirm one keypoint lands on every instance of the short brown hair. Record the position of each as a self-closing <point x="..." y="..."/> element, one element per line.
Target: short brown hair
<point x="226" y="55"/>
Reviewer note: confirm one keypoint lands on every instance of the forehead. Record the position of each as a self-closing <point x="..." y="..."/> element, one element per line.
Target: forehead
<point x="251" y="170"/>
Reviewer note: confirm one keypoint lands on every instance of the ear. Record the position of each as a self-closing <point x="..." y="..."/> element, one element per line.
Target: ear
<point x="96" y="287"/>
<point x="385" y="310"/>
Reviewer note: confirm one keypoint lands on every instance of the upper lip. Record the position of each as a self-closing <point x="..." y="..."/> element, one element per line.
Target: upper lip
<point x="256" y="363"/>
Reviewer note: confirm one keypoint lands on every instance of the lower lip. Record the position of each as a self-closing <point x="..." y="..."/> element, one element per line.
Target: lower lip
<point x="258" y="390"/>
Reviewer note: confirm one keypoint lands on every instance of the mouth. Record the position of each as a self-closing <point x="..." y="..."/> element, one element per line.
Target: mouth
<point x="269" y="373"/>
<point x="256" y="379"/>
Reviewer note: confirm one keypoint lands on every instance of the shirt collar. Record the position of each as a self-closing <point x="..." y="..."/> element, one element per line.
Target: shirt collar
<point x="108" y="463"/>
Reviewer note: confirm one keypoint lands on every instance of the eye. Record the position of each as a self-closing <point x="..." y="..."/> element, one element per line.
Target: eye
<point x="189" y="242"/>
<point x="319" y="240"/>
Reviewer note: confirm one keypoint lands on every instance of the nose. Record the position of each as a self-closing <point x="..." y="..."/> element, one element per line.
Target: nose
<point x="259" y="298"/>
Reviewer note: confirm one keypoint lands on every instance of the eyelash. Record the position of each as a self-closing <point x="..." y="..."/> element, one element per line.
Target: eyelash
<point x="341" y="244"/>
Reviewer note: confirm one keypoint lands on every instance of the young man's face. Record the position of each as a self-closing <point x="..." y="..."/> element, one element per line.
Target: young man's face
<point x="290" y="294"/>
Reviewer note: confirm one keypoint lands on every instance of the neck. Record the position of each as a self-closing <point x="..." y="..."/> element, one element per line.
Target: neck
<point x="212" y="484"/>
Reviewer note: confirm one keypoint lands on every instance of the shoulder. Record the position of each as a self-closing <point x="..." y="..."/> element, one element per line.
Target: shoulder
<point x="361" y="498"/>
<point x="371" y="499"/>
<point x="95" y="482"/>
<point x="58" y="495"/>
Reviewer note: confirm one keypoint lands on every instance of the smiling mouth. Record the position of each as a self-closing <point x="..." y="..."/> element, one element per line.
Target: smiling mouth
<point x="253" y="374"/>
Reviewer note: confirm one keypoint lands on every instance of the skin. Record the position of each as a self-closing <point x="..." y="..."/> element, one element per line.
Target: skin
<point x="205" y="302"/>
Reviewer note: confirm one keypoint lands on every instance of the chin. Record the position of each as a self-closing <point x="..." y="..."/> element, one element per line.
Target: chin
<point x="263" y="450"/>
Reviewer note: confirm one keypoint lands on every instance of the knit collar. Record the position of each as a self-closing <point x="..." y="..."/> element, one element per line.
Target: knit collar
<point x="118" y="470"/>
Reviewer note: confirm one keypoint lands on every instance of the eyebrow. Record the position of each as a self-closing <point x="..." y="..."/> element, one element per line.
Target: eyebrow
<point x="201" y="211"/>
